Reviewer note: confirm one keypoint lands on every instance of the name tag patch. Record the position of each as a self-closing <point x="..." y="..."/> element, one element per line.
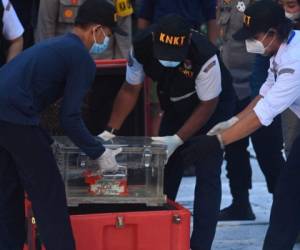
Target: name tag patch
<point x="209" y="66"/>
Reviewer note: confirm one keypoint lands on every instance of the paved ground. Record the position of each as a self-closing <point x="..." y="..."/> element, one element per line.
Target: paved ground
<point x="237" y="235"/>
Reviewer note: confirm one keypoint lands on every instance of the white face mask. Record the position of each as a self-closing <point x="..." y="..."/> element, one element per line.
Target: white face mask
<point x="257" y="47"/>
<point x="292" y="16"/>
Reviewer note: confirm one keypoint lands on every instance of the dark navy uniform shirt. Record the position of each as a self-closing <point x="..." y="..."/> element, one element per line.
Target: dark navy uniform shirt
<point x="58" y="67"/>
<point x="195" y="11"/>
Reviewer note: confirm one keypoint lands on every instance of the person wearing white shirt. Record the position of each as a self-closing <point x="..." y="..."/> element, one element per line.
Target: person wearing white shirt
<point x="12" y="31"/>
<point x="267" y="31"/>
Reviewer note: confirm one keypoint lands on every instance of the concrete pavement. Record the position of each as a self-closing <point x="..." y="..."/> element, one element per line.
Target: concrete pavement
<point x="237" y="235"/>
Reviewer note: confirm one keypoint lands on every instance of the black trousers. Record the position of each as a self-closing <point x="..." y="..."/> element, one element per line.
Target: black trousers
<point x="207" y="194"/>
<point x="27" y="164"/>
<point x="267" y="143"/>
<point x="285" y="216"/>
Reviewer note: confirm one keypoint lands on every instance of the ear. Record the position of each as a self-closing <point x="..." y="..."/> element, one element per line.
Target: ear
<point x="95" y="28"/>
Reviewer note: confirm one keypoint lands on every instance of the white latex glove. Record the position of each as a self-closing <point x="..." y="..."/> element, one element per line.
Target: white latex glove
<point x="220" y="127"/>
<point x="107" y="161"/>
<point x="172" y="142"/>
<point x="106" y="136"/>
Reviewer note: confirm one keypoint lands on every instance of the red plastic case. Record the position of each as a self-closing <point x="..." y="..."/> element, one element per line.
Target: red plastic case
<point x="142" y="230"/>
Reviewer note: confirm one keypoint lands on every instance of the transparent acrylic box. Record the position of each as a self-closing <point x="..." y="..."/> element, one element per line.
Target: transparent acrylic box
<point x="140" y="180"/>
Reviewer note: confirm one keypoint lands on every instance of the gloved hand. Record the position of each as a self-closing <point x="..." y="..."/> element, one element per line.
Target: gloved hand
<point x="220" y="127"/>
<point x="107" y="161"/>
<point x="106" y="136"/>
<point x="200" y="147"/>
<point x="172" y="142"/>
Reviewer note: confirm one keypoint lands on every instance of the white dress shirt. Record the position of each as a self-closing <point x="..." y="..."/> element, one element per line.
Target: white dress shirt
<point x="282" y="87"/>
<point x="12" y="27"/>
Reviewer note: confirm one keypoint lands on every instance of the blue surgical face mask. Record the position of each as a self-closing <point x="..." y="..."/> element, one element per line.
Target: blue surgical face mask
<point x="169" y="64"/>
<point x="99" y="48"/>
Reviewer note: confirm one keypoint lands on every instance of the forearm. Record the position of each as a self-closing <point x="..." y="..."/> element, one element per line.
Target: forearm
<point x="15" y="48"/>
<point x="212" y="31"/>
<point x="79" y="134"/>
<point x="249" y="108"/>
<point x="198" y="119"/>
<point x="244" y="127"/>
<point x="123" y="105"/>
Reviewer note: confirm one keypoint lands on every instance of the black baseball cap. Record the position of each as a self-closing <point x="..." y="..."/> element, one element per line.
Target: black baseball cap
<point x="260" y="17"/>
<point x="171" y="38"/>
<point x="99" y="12"/>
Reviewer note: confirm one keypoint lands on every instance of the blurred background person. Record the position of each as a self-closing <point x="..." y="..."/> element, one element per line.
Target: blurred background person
<point x="196" y="12"/>
<point x="57" y="17"/>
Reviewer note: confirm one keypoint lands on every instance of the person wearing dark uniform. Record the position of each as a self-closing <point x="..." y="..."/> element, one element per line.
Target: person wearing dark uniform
<point x="267" y="31"/>
<point x="195" y="92"/>
<point x="59" y="67"/>
<point x="268" y="154"/>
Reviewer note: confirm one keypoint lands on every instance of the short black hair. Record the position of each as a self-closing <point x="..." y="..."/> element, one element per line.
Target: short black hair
<point x="284" y="29"/>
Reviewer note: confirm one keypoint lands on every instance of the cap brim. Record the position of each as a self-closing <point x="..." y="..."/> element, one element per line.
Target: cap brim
<point x="169" y="53"/>
<point x="242" y="34"/>
<point x="119" y="31"/>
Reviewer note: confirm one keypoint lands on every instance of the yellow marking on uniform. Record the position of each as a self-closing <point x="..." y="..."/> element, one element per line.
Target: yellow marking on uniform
<point x="123" y="7"/>
<point x="171" y="40"/>
<point x="247" y="20"/>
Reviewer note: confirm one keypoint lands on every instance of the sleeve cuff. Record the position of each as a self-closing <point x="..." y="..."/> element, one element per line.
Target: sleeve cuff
<point x="264" y="113"/>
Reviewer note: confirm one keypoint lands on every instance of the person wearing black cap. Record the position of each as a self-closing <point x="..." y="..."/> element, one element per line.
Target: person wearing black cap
<point x="269" y="155"/>
<point x="195" y="92"/>
<point x="59" y="67"/>
<point x="267" y="31"/>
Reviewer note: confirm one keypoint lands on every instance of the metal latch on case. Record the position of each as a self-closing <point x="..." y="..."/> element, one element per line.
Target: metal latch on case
<point x="120" y="222"/>
<point x="147" y="155"/>
<point x="176" y="219"/>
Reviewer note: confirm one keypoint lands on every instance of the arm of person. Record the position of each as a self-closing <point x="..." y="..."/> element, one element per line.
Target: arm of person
<point x="146" y="14"/>
<point x="208" y="88"/>
<point x="275" y="99"/>
<point x="128" y="94"/>
<point x="198" y="119"/>
<point x="269" y="83"/>
<point x="12" y="31"/>
<point x="210" y="12"/>
<point x="81" y="73"/>
<point x="124" y="104"/>
<point x="47" y="19"/>
<point x="213" y="30"/>
<point x="249" y="108"/>
<point x="15" y="48"/>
